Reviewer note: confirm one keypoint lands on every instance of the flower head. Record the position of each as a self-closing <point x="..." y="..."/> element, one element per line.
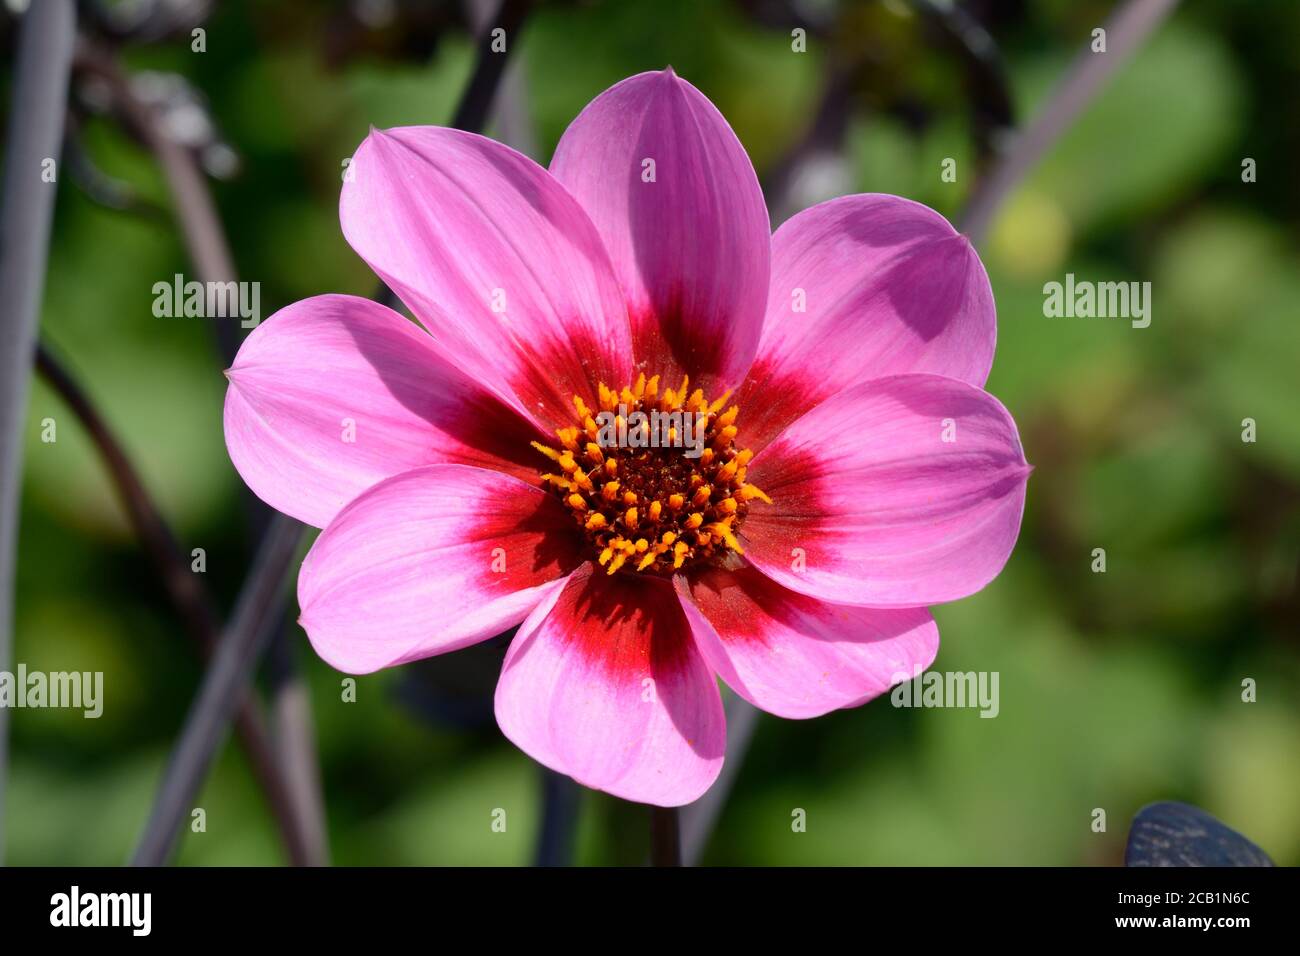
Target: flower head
<point x="667" y="444"/>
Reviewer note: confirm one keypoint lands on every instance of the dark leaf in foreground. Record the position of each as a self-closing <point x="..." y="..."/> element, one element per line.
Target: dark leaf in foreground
<point x="1177" y="834"/>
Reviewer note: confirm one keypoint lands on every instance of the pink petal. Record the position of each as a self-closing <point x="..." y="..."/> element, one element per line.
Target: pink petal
<point x="604" y="683"/>
<point x="496" y="259"/>
<point x="691" y="249"/>
<point x="796" y="656"/>
<point x="888" y="287"/>
<point x="430" y="561"/>
<point x="877" y="507"/>
<point x="336" y="367"/>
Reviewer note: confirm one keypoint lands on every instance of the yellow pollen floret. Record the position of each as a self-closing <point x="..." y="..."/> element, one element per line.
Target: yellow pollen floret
<point x="679" y="553"/>
<point x="641" y="501"/>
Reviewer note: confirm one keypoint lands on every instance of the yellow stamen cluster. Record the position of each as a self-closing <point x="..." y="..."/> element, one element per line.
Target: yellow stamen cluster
<point x="653" y="509"/>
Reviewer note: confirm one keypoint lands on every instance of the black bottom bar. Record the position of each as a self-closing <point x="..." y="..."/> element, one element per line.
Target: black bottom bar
<point x="338" y="905"/>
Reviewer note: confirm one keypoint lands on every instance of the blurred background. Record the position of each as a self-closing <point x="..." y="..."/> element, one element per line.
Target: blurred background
<point x="1117" y="688"/>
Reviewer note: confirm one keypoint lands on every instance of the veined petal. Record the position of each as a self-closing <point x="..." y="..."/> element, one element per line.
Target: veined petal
<point x="865" y="287"/>
<point x="900" y="492"/>
<point x="674" y="196"/>
<point x="797" y="656"/>
<point x="604" y="683"/>
<point x="430" y="561"/>
<point x="496" y="259"/>
<point x="335" y="393"/>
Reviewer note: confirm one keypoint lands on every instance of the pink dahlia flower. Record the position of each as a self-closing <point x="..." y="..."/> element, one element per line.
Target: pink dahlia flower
<point x="852" y="469"/>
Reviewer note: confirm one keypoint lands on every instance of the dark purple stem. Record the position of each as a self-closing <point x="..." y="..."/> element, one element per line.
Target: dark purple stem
<point x="665" y="837"/>
<point x="187" y="593"/>
<point x="226" y="683"/>
<point x="1126" y="29"/>
<point x="40" y="94"/>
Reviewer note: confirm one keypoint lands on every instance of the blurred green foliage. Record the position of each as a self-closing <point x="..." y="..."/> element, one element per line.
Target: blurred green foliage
<point x="1117" y="689"/>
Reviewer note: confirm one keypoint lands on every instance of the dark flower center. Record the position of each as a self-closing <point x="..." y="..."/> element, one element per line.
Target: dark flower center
<point x="654" y="480"/>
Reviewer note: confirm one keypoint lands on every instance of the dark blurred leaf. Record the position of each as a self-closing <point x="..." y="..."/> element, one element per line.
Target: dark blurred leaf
<point x="1177" y="834"/>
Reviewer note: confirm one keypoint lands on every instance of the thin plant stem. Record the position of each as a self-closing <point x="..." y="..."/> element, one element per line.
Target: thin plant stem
<point x="1126" y="29"/>
<point x="195" y="209"/>
<point x="987" y="88"/>
<point x="665" y="837"/>
<point x="187" y="594"/>
<point x="560" y="801"/>
<point x="43" y="65"/>
<point x="226" y="683"/>
<point x="476" y="102"/>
